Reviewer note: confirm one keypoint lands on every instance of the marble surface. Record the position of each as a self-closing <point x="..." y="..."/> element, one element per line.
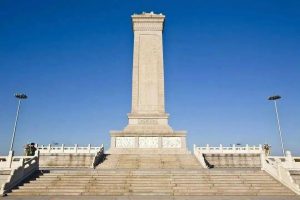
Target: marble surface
<point x="171" y="142"/>
<point x="148" y="142"/>
<point x="125" y="142"/>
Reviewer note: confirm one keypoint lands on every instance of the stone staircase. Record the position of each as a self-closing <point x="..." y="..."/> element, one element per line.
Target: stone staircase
<point x="167" y="175"/>
<point x="180" y="182"/>
<point x="150" y="161"/>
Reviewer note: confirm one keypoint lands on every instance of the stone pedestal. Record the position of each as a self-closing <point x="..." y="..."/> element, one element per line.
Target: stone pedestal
<point x="135" y="143"/>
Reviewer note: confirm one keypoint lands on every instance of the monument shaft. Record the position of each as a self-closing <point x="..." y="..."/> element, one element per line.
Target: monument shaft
<point x="148" y="130"/>
<point x="148" y="69"/>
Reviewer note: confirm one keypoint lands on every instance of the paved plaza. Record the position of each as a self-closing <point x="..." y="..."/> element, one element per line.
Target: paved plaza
<point x="154" y="197"/>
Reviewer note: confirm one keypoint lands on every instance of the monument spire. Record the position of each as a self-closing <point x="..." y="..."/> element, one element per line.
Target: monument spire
<point x="148" y="68"/>
<point x="148" y="96"/>
<point x="148" y="126"/>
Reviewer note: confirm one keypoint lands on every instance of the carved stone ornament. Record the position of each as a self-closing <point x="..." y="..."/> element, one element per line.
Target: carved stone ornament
<point x="148" y="142"/>
<point x="125" y="142"/>
<point x="171" y="142"/>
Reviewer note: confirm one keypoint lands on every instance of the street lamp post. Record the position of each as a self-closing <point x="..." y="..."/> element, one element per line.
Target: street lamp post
<point x="20" y="97"/>
<point x="275" y="98"/>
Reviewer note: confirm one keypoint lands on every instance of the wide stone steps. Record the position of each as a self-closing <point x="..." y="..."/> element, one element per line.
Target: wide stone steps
<point x="163" y="182"/>
<point x="132" y="161"/>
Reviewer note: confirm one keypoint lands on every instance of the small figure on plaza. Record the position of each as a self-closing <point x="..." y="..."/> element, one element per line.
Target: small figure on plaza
<point x="267" y="149"/>
<point x="30" y="149"/>
<point x="26" y="149"/>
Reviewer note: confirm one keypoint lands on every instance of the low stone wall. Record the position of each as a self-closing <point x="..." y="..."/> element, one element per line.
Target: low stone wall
<point x="67" y="156"/>
<point x="233" y="160"/>
<point x="66" y="160"/>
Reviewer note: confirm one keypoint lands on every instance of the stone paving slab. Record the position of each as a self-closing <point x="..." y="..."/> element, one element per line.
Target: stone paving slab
<point x="153" y="198"/>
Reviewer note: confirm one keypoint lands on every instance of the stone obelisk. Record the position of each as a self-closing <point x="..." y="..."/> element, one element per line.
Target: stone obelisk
<point x="148" y="129"/>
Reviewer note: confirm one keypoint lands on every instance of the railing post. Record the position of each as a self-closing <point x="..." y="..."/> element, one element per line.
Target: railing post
<point x="63" y="148"/>
<point x="262" y="160"/>
<point x="9" y="159"/>
<point x="49" y="148"/>
<point x="221" y="148"/>
<point x="289" y="159"/>
<point x="278" y="168"/>
<point x="247" y="148"/>
<point x="76" y="148"/>
<point x="23" y="160"/>
<point x="37" y="155"/>
<point x="89" y="148"/>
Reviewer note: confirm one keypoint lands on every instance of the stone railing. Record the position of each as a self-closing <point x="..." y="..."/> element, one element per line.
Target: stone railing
<point x="288" y="162"/>
<point x="68" y="150"/>
<point x="27" y="165"/>
<point x="11" y="161"/>
<point x="200" y="157"/>
<point x="279" y="167"/>
<point x="230" y="150"/>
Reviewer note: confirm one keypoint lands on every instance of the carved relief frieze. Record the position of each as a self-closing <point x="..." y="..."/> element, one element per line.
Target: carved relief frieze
<point x="171" y="142"/>
<point x="148" y="142"/>
<point x="125" y="142"/>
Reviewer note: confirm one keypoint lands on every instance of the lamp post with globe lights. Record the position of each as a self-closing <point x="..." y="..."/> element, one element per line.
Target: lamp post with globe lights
<point x="275" y="98"/>
<point x="20" y="97"/>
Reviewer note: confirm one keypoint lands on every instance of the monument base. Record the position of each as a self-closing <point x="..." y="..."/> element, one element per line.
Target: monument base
<point x="148" y="143"/>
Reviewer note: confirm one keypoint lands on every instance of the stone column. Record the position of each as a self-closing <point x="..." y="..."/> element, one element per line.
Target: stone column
<point x="148" y="95"/>
<point x="148" y="72"/>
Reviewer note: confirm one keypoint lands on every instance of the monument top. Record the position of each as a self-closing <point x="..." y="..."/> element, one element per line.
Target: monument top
<point x="148" y="22"/>
<point x="147" y="15"/>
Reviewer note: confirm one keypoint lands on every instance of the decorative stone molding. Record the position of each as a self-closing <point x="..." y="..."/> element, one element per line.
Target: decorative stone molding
<point x="148" y="22"/>
<point x="158" y="26"/>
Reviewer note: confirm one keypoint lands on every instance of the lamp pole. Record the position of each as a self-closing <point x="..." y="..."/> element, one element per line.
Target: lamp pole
<point x="20" y="97"/>
<point x="275" y="98"/>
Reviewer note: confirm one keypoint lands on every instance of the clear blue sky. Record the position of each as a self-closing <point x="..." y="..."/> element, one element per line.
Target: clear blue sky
<point x="222" y="58"/>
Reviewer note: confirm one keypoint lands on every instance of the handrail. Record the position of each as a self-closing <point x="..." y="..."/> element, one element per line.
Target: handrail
<point x="28" y="166"/>
<point x="11" y="161"/>
<point x="232" y="150"/>
<point x="200" y="157"/>
<point x="45" y="149"/>
<point x="274" y="165"/>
